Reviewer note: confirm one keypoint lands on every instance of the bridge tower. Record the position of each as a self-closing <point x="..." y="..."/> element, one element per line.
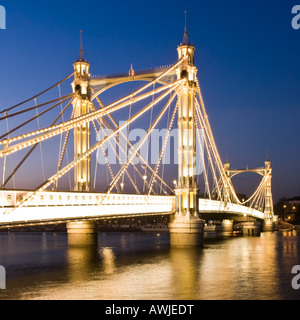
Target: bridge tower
<point x="269" y="210"/>
<point x="268" y="192"/>
<point x="82" y="105"/>
<point x="187" y="228"/>
<point x="82" y="232"/>
<point x="227" y="188"/>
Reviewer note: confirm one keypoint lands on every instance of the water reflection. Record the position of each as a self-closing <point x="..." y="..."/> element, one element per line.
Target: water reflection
<point x="108" y="257"/>
<point x="185" y="272"/>
<point x="81" y="262"/>
<point x="143" y="266"/>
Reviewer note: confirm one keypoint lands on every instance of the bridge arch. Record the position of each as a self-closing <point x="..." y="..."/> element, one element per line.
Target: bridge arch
<point x="107" y="82"/>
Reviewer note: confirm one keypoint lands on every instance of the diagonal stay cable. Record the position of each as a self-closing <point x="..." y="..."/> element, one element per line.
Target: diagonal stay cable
<point x="103" y="124"/>
<point x="7" y="141"/>
<point x="214" y="147"/>
<point x="67" y="168"/>
<point x="32" y="149"/>
<point x="159" y="161"/>
<point x="37" y="106"/>
<point x="141" y="143"/>
<point x="57" y="129"/>
<point x="139" y="156"/>
<point x="37" y="95"/>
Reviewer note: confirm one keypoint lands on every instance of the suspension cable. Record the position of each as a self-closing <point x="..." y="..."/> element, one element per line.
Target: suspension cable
<point x="133" y="181"/>
<point x="214" y="148"/>
<point x="67" y="168"/>
<point x="105" y="155"/>
<point x="161" y="190"/>
<point x="9" y="140"/>
<point x="41" y="149"/>
<point x="141" y="143"/>
<point x="202" y="155"/>
<point x="38" y="106"/>
<point x="11" y="159"/>
<point x="64" y="150"/>
<point x="104" y="123"/>
<point x="206" y="142"/>
<point x="159" y="160"/>
<point x="37" y="95"/>
<point x="57" y="129"/>
<point x="31" y="150"/>
<point x="148" y="145"/>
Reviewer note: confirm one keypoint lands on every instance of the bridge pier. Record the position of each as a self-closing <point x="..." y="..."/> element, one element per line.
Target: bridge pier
<point x="269" y="226"/>
<point x="252" y="228"/>
<point x="82" y="233"/>
<point x="184" y="234"/>
<point x="227" y="226"/>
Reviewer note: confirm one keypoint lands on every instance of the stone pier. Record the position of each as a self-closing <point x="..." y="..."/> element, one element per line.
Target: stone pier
<point x="184" y="234"/>
<point x="252" y="228"/>
<point x="82" y="233"/>
<point x="269" y="226"/>
<point x="227" y="226"/>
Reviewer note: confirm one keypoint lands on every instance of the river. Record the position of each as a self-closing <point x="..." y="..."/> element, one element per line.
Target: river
<point x="142" y="266"/>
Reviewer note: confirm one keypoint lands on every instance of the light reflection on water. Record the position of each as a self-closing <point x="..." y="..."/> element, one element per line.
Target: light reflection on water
<point x="142" y="266"/>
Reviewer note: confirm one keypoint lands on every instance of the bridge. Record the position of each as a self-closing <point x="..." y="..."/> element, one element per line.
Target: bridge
<point x="98" y="147"/>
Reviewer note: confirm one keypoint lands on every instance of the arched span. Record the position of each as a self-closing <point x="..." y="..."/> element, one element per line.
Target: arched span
<point x="260" y="171"/>
<point x="162" y="76"/>
<point x="114" y="84"/>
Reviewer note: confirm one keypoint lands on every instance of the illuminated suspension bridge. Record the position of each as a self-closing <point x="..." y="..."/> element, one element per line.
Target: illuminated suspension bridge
<point x="75" y="151"/>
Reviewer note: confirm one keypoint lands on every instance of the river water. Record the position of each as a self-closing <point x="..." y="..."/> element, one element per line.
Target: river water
<point x="142" y="266"/>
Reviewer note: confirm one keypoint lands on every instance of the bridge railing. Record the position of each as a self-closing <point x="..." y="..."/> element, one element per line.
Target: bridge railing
<point x="47" y="206"/>
<point x="206" y="205"/>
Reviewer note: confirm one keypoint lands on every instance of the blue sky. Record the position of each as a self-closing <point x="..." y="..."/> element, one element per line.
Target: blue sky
<point x="247" y="55"/>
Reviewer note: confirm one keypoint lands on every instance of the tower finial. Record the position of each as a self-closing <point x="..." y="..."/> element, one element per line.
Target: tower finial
<point x="226" y="159"/>
<point x="268" y="158"/>
<point x="81" y="55"/>
<point x="186" y="40"/>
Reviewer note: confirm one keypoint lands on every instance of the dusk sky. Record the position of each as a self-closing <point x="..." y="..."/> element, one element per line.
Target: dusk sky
<point x="247" y="55"/>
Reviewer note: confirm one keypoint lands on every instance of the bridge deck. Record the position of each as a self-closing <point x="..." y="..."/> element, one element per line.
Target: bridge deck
<point x="54" y="206"/>
<point x="206" y="205"/>
<point x="64" y="206"/>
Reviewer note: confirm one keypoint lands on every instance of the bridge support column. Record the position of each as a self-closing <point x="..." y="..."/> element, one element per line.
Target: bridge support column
<point x="82" y="105"/>
<point x="269" y="226"/>
<point x="252" y="228"/>
<point x="227" y="226"/>
<point x="82" y="233"/>
<point x="187" y="229"/>
<point x="185" y="234"/>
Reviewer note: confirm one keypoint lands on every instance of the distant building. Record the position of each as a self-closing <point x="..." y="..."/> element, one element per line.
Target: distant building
<point x="291" y="210"/>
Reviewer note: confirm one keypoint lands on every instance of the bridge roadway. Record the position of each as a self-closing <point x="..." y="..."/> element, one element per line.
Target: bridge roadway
<point x="60" y="207"/>
<point x="217" y="208"/>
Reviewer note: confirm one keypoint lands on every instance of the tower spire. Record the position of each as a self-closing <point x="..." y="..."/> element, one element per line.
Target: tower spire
<point x="81" y="55"/>
<point x="186" y="40"/>
<point x="268" y="158"/>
